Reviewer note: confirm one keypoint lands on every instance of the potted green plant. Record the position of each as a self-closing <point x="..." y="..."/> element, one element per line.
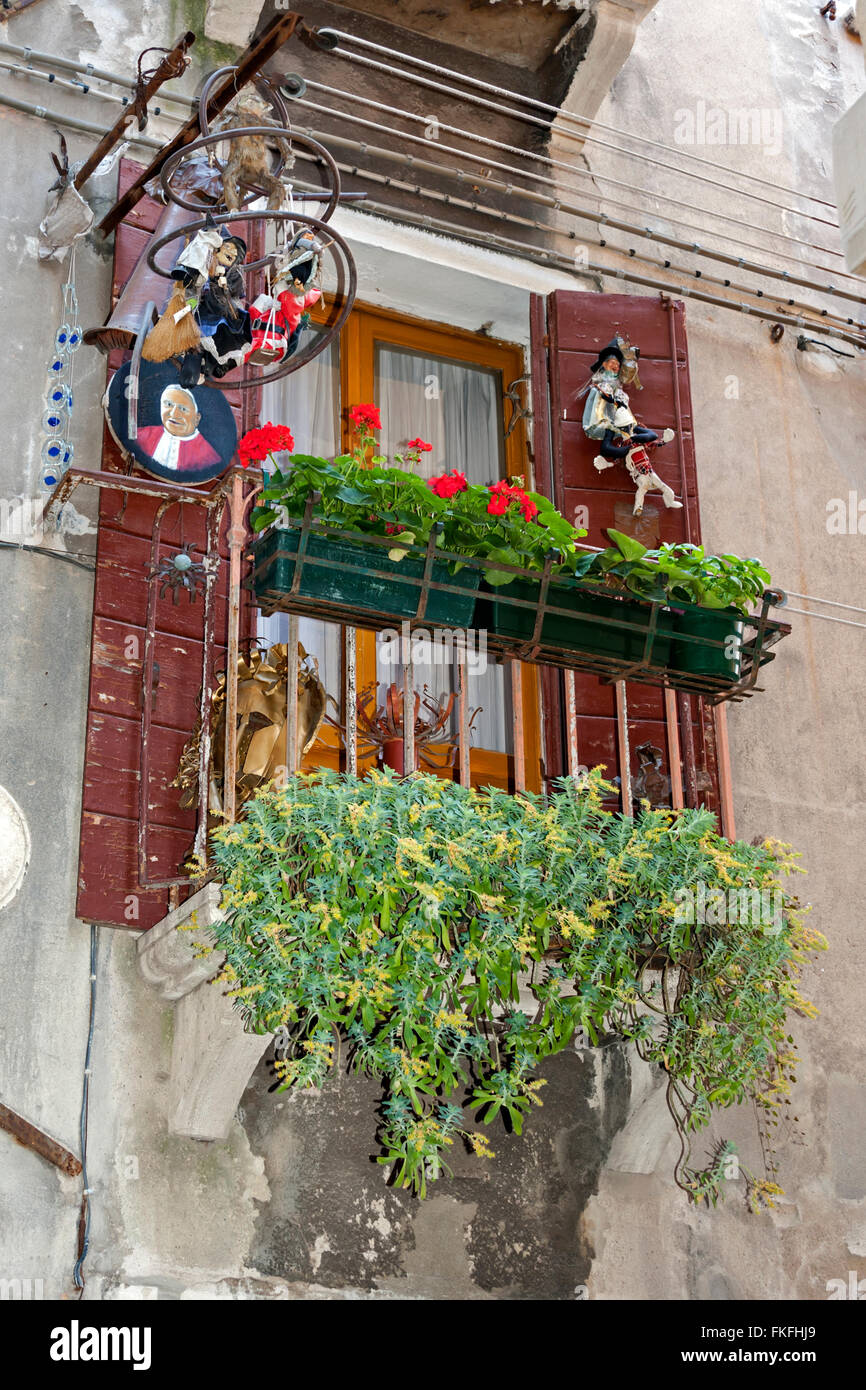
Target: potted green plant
<point x="362" y="571"/>
<point x="675" y="608"/>
<point x="391" y="513"/>
<point x="711" y="594"/>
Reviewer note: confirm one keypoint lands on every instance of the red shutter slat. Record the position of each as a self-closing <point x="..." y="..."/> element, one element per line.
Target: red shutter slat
<point x="109" y="889"/>
<point x="577" y="326"/>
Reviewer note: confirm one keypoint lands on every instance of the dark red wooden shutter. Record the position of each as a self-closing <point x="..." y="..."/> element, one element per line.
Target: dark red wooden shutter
<point x="569" y="328"/>
<point x="109" y="890"/>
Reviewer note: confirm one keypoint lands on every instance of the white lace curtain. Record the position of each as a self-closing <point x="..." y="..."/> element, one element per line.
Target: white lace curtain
<point x="457" y="408"/>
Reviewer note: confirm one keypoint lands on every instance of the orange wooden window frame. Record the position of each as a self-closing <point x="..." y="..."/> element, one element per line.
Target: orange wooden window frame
<point x="366" y="327"/>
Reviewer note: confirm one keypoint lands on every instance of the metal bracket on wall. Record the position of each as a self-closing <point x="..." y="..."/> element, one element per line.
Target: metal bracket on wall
<point x="28" y="1135"/>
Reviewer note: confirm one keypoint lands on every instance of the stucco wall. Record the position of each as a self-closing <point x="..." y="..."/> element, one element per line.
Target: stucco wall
<point x="290" y="1205"/>
<point x="778" y="433"/>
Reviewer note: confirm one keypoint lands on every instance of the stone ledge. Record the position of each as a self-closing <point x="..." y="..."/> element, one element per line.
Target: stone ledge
<point x="212" y="1056"/>
<point x="166" y="957"/>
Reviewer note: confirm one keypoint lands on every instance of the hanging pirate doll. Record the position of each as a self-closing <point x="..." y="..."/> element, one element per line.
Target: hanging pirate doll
<point x="279" y="318"/>
<point x="206" y="323"/>
<point x="608" y="417"/>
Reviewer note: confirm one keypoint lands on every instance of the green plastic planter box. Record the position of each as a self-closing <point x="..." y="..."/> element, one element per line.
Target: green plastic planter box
<point x="353" y="585"/>
<point x="572" y="633"/>
<point x="719" y="624"/>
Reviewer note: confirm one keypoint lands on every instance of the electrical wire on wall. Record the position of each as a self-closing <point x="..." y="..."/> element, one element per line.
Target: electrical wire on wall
<point x="84" y="1218"/>
<point x="688" y="281"/>
<point x="560" y="113"/>
<point x="536" y="158"/>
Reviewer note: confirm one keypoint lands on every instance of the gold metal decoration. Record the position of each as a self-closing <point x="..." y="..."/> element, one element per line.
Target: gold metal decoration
<point x="261" y="726"/>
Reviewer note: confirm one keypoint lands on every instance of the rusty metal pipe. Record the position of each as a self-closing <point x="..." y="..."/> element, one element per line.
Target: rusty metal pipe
<point x="23" y="1132"/>
<point x="172" y="65"/>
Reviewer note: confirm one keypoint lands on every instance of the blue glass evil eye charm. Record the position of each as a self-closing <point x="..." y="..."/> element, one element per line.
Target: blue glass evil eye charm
<point x="59" y="397"/>
<point x="67" y="339"/>
<point x="57" y="365"/>
<point x="54" y="419"/>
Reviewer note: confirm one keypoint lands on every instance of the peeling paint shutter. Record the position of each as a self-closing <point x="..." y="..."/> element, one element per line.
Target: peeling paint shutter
<point x="568" y="329"/>
<point x="108" y="882"/>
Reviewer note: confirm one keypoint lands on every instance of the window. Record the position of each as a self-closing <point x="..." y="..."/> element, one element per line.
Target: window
<point x="449" y="387"/>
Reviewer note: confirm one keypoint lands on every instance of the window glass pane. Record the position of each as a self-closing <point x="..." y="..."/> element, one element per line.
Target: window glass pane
<point x="456" y="407"/>
<point x="308" y="401"/>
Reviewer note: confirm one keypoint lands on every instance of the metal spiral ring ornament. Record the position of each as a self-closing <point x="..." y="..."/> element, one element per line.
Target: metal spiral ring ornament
<point x="347" y="276"/>
<point x="305" y="141"/>
<point x="276" y="215"/>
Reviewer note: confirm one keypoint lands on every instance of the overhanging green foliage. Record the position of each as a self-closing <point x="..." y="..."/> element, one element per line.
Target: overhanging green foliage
<point x="403" y="917"/>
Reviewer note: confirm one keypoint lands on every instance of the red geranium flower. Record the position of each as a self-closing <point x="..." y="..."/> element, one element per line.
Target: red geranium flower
<point x="366" y="417"/>
<point x="503" y="493"/>
<point x="420" y="446"/>
<point x="259" y="444"/>
<point x="447" y="484"/>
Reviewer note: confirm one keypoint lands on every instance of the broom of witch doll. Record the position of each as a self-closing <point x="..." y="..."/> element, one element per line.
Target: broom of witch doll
<point x="208" y="284"/>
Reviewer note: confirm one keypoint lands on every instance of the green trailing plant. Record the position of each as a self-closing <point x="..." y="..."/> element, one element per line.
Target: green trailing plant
<point x="449" y="940"/>
<point x="497" y="522"/>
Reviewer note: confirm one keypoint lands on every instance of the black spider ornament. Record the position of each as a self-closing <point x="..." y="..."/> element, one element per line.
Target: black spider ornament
<point x="178" y="572"/>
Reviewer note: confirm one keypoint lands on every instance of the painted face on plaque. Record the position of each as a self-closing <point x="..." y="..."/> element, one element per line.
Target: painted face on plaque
<point x="184" y="434"/>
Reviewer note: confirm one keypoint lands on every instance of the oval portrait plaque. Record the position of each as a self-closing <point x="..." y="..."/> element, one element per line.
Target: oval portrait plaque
<point x="185" y="434"/>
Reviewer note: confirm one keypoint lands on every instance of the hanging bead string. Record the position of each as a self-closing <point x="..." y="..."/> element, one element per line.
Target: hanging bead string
<point x="58" y="450"/>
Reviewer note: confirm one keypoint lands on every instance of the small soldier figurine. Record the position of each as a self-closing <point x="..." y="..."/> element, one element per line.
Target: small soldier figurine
<point x="608" y="417"/>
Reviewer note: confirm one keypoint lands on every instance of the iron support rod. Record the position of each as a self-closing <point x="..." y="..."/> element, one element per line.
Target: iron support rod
<point x="674" y="757"/>
<point x="571" y="724"/>
<point x="23" y="1132"/>
<point x="725" y="781"/>
<point x="519" y="727"/>
<point x="167" y="69"/>
<point x="211" y="567"/>
<point x="624" y="750"/>
<point x="463" y="716"/>
<point x="351" y="650"/>
<point x="147" y="696"/>
<point x="236" y="539"/>
<point x="684" y="703"/>
<point x="293" y="752"/>
<point x="408" y="714"/>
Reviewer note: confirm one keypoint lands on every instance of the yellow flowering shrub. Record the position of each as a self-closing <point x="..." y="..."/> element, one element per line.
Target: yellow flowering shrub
<point x="397" y="915"/>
